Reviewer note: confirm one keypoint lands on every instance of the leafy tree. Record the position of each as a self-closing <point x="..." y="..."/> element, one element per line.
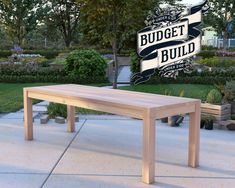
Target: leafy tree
<point x="115" y="23"/>
<point x="19" y="17"/>
<point x="64" y="15"/>
<point x="219" y="16"/>
<point x="111" y="23"/>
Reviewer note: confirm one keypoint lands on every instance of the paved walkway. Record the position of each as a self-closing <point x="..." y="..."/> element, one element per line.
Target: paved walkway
<point x="105" y="151"/>
<point x="124" y="75"/>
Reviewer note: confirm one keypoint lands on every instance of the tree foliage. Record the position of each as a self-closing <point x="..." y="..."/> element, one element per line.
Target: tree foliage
<point x="64" y="15"/>
<point x="220" y="15"/>
<point x="19" y="17"/>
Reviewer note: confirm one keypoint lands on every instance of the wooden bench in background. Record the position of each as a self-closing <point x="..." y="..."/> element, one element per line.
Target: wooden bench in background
<point x="148" y="107"/>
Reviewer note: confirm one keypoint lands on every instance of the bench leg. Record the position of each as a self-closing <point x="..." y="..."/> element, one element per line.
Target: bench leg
<point x="71" y="118"/>
<point x="194" y="136"/>
<point x="148" y="165"/>
<point x="28" y="117"/>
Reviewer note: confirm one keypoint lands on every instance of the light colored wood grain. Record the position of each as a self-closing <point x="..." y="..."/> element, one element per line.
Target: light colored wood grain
<point x="28" y="116"/>
<point x="194" y="136"/>
<point x="148" y="166"/>
<point x="71" y="118"/>
<point x="216" y="107"/>
<point x="134" y="104"/>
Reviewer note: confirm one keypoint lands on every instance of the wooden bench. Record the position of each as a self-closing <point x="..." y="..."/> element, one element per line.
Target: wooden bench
<point x="148" y="107"/>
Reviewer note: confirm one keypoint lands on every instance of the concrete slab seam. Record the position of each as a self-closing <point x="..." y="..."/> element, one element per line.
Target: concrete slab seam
<point x="44" y="182"/>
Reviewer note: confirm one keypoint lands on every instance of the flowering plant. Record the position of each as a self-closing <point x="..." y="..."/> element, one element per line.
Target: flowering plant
<point x="17" y="50"/>
<point x="225" y="53"/>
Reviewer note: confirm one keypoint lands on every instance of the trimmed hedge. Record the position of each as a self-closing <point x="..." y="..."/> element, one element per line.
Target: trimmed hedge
<point x="23" y="74"/>
<point x="207" y="53"/>
<point x="47" y="53"/>
<point x="207" y="80"/>
<point x="217" y="62"/>
<point x="50" y="79"/>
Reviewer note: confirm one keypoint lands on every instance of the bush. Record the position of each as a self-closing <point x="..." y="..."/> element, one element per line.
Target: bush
<point x="86" y="64"/>
<point x="47" y="53"/>
<point x="207" y="53"/>
<point x="217" y="62"/>
<point x="229" y="91"/>
<point x="225" y="54"/>
<point x="135" y="62"/>
<point x="50" y="79"/>
<point x="214" y="97"/>
<point x="5" y="53"/>
<point x="61" y="59"/>
<point x="55" y="109"/>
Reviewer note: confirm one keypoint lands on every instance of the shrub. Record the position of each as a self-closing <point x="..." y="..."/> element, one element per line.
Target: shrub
<point x="54" y="109"/>
<point x="207" y="53"/>
<point x="229" y="91"/>
<point x="39" y="60"/>
<point x="225" y="54"/>
<point x="86" y="64"/>
<point x="5" y="53"/>
<point x="214" y="97"/>
<point x="61" y="59"/>
<point x="135" y="62"/>
<point x="47" y="53"/>
<point x="217" y="62"/>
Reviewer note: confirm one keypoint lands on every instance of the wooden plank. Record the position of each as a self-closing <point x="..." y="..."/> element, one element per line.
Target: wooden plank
<point x="104" y="94"/>
<point x="216" y="112"/>
<point x="219" y="117"/>
<point x="148" y="161"/>
<point x="216" y="107"/>
<point x="194" y="137"/>
<point x="28" y="117"/>
<point x="115" y="108"/>
<point x="174" y="110"/>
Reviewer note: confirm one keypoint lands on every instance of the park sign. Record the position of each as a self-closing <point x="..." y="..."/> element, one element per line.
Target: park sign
<point x="169" y="41"/>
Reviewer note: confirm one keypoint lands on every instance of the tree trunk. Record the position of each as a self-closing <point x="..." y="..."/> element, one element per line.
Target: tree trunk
<point x="225" y="36"/>
<point x="67" y="42"/>
<point x="114" y="46"/>
<point x="225" y="40"/>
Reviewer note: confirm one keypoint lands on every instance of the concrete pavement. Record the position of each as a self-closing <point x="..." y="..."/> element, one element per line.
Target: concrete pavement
<point x="105" y="151"/>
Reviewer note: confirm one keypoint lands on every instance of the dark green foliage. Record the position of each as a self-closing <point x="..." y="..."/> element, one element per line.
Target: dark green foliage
<point x="229" y="91"/>
<point x="207" y="53"/>
<point x="218" y="62"/>
<point x="205" y="77"/>
<point x="85" y="64"/>
<point x="135" y="62"/>
<point x="5" y="53"/>
<point x="55" y="109"/>
<point x="22" y="74"/>
<point x="51" y="79"/>
<point x="214" y="97"/>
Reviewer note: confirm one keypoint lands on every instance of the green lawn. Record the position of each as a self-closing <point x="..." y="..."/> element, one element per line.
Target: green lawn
<point x="11" y="96"/>
<point x="190" y="90"/>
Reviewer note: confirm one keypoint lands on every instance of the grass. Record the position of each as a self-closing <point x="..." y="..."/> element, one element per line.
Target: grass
<point x="11" y="96"/>
<point x="196" y="91"/>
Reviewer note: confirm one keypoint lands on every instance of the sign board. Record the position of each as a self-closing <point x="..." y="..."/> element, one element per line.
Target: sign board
<point x="168" y="42"/>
